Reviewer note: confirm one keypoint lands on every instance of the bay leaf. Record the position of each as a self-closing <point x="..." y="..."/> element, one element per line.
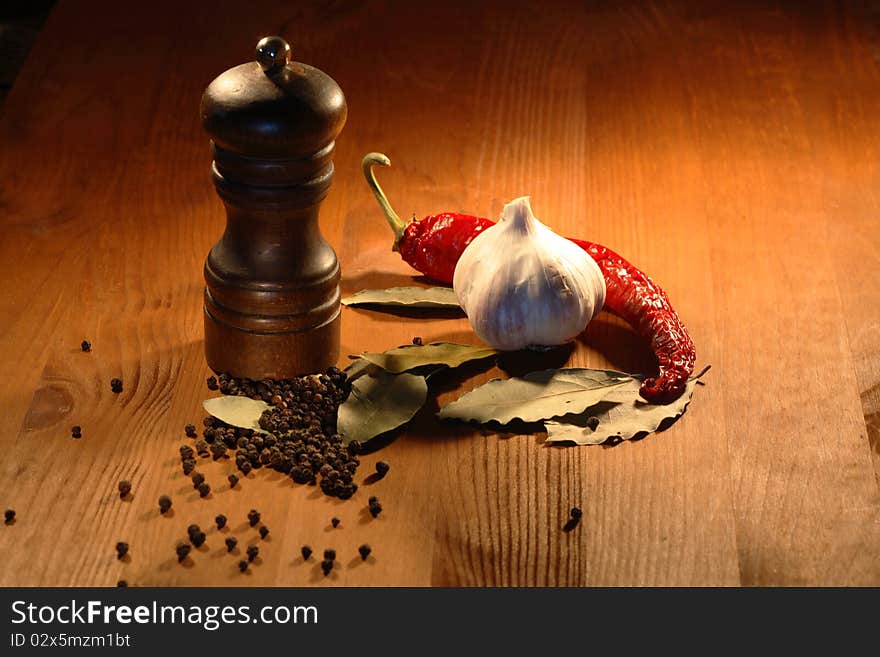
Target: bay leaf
<point x="409" y="357"/>
<point x="536" y="396"/>
<point x="238" y="411"/>
<point x="626" y="417"/>
<point x="410" y="297"/>
<point x="379" y="402"/>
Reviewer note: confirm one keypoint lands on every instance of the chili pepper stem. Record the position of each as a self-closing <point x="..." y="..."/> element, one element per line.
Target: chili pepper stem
<point x="397" y="224"/>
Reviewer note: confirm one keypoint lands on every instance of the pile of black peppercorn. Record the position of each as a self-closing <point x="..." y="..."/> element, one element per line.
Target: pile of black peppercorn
<point x="301" y="439"/>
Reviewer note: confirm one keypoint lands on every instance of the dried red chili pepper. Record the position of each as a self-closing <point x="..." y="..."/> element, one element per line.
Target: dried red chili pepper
<point x="433" y="245"/>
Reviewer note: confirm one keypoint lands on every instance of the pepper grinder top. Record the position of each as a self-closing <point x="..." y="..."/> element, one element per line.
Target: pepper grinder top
<point x="272" y="282"/>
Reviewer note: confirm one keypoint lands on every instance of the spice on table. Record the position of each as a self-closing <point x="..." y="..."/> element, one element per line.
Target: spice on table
<point x="326" y="566"/>
<point x="124" y="488"/>
<point x="204" y="489"/>
<point x="116" y="385"/>
<point x="382" y="468"/>
<point x="121" y="549"/>
<point x="574" y="518"/>
<point x="188" y="466"/>
<point x="85" y="345"/>
<point x="434" y="244"/>
<point x="197" y="478"/>
<point x="330" y="554"/>
<point x="122" y="584"/>
<point x="365" y="551"/>
<point x="9" y="516"/>
<point x="231" y="542"/>
<point x="198" y="538"/>
<point x="264" y="532"/>
<point x="183" y="550"/>
<point x="243" y="565"/>
<point x="418" y="341"/>
<point x="252" y="552"/>
<point x="306" y="552"/>
<point x="374" y="507"/>
<point x="220" y="520"/>
<point x="190" y="431"/>
<point x="164" y="504"/>
<point x="76" y="431"/>
<point x="212" y="383"/>
<point x="335" y="522"/>
<point x="253" y="517"/>
<point x="233" y="479"/>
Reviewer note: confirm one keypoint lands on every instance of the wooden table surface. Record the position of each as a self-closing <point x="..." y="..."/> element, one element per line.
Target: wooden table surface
<point x="732" y="153"/>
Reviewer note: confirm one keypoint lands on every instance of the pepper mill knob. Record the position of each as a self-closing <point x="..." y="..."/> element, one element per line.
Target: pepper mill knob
<point x="272" y="282"/>
<point x="273" y="53"/>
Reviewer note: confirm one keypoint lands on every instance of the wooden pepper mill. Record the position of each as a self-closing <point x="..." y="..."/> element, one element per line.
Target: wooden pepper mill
<point x="272" y="295"/>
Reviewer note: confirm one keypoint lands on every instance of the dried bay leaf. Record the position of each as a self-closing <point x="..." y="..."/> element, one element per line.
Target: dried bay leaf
<point x="409" y="357"/>
<point x="379" y="402"/>
<point x="623" y="417"/>
<point x="536" y="396"/>
<point x="238" y="411"/>
<point x="410" y="297"/>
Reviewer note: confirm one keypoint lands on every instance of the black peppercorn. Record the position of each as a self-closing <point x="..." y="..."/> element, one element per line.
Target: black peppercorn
<point x="164" y="504"/>
<point x="124" y="488"/>
<point x="212" y="383"/>
<point x="220" y="520"/>
<point x="334" y="522"/>
<point x="326" y="566"/>
<point x="121" y="549"/>
<point x="197" y="478"/>
<point x="9" y="515"/>
<point x="306" y="552"/>
<point x="86" y="345"/>
<point x="190" y="430"/>
<point x="243" y="566"/>
<point x="193" y="529"/>
<point x="231" y="542"/>
<point x="198" y="538"/>
<point x="76" y="431"/>
<point x="204" y="489"/>
<point x="253" y="517"/>
<point x="122" y="584"/>
<point x="417" y="341"/>
<point x="182" y="550"/>
<point x="116" y="385"/>
<point x="575" y="517"/>
<point x="365" y="551"/>
<point x="188" y="466"/>
<point x="252" y="552"/>
<point x="233" y="480"/>
<point x="330" y="554"/>
<point x="576" y="513"/>
<point x="264" y="531"/>
<point x="382" y="468"/>
<point x="374" y="507"/>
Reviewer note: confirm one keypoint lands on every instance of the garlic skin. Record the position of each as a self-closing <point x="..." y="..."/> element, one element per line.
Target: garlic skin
<point x="522" y="285"/>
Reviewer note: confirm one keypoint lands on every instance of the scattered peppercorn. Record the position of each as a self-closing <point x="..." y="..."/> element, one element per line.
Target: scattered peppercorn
<point x="76" y="431"/>
<point x="188" y="466"/>
<point x="121" y="549"/>
<point x="576" y="513"/>
<point x="253" y="517"/>
<point x="326" y="566"/>
<point x="575" y="517"/>
<point x="365" y="551"/>
<point x="198" y="479"/>
<point x="220" y="520"/>
<point x="190" y="431"/>
<point x="86" y="345"/>
<point x="382" y="468"/>
<point x="124" y="488"/>
<point x="204" y="489"/>
<point x="122" y="584"/>
<point x="183" y="550"/>
<point x="374" y="507"/>
<point x="335" y="522"/>
<point x="306" y="552"/>
<point x="330" y="554"/>
<point x="198" y="538"/>
<point x="212" y="383"/>
<point x="233" y="480"/>
<point x="243" y="565"/>
<point x="164" y="504"/>
<point x="116" y="385"/>
<point x="264" y="532"/>
<point x="231" y="542"/>
<point x="9" y="515"/>
<point x="417" y="341"/>
<point x="252" y="552"/>
<point x="193" y="529"/>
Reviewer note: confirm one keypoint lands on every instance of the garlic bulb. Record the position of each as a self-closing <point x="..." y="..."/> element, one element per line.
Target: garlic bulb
<point x="522" y="285"/>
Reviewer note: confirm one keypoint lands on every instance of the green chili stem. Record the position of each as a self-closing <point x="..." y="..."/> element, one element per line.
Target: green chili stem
<point x="397" y="224"/>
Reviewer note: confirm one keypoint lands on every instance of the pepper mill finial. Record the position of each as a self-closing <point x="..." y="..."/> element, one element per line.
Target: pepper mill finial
<point x="272" y="305"/>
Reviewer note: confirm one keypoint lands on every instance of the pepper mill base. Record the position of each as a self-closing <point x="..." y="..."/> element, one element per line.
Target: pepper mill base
<point x="259" y="356"/>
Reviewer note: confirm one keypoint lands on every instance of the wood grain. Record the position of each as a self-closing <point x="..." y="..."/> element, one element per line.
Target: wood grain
<point x="731" y="152"/>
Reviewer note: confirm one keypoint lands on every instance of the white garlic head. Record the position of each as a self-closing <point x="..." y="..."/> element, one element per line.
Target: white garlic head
<point x="522" y="285"/>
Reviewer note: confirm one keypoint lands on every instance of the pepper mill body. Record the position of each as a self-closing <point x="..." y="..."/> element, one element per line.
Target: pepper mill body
<point x="271" y="300"/>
